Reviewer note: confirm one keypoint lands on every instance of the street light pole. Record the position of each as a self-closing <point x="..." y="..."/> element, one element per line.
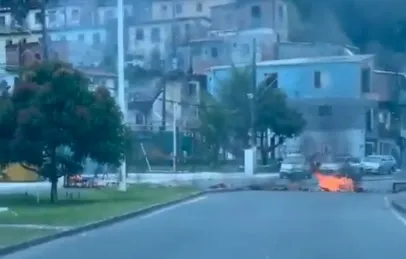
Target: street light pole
<point x="253" y="95"/>
<point x="250" y="156"/>
<point x="44" y="31"/>
<point x="122" y="186"/>
<point x="175" y="139"/>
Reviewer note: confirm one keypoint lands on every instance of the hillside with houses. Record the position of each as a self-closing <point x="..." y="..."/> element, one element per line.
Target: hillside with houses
<point x="176" y="51"/>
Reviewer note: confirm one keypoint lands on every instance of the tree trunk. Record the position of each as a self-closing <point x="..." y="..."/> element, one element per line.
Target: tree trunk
<point x="54" y="189"/>
<point x="263" y="150"/>
<point x="53" y="176"/>
<point x="273" y="145"/>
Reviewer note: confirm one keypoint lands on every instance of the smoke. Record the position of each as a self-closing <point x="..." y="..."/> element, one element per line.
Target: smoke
<point x="375" y="26"/>
<point x="322" y="26"/>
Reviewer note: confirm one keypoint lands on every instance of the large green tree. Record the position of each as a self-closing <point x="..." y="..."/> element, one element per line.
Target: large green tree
<point x="213" y="127"/>
<point x="52" y="111"/>
<point x="275" y="119"/>
<point x="272" y="113"/>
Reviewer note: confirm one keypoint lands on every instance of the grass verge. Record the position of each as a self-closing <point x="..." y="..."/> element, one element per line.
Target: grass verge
<point x="93" y="205"/>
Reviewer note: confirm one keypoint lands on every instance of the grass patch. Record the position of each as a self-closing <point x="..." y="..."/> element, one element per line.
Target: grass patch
<point x="93" y="205"/>
<point x="11" y="236"/>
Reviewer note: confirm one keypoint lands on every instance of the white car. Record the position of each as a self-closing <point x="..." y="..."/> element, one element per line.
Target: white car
<point x="378" y="164"/>
<point x="336" y="164"/>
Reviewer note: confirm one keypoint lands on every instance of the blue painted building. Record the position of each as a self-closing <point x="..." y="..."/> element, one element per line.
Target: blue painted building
<point x="333" y="94"/>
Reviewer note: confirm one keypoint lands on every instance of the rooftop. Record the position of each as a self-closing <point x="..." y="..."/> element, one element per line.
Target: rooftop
<point x="170" y="21"/>
<point x="300" y="61"/>
<point x="383" y="72"/>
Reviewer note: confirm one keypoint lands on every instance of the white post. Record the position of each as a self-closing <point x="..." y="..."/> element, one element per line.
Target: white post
<point x="122" y="186"/>
<point x="174" y="139"/>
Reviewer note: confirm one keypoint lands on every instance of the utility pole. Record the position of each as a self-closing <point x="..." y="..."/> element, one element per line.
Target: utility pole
<point x="175" y="139"/>
<point x="44" y="29"/>
<point x="121" y="91"/>
<point x="253" y="94"/>
<point x="168" y="68"/>
<point x="163" y="100"/>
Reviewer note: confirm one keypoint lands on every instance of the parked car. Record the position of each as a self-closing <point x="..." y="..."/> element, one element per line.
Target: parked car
<point x="295" y="166"/>
<point x="338" y="163"/>
<point x="378" y="164"/>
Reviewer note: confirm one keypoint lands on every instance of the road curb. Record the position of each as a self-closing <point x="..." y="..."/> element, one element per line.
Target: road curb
<point x="397" y="207"/>
<point x="99" y="224"/>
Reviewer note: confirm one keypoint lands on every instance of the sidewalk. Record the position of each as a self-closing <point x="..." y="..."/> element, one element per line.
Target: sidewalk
<point x="201" y="180"/>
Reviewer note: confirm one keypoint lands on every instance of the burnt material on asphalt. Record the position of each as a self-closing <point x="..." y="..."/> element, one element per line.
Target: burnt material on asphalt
<point x="308" y="185"/>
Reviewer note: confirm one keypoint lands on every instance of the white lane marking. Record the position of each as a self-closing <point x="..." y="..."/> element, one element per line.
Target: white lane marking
<point x="160" y="211"/>
<point x="394" y="212"/>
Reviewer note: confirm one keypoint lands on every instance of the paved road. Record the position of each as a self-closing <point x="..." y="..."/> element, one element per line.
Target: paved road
<point x="247" y="225"/>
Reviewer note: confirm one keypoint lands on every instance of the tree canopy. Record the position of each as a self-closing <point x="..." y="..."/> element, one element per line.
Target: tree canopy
<point x="226" y="119"/>
<point x="52" y="121"/>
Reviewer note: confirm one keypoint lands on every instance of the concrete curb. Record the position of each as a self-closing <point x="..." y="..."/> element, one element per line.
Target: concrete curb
<point x="99" y="224"/>
<point x="397" y="207"/>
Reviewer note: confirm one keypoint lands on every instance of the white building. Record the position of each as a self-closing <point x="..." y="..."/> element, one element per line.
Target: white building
<point x="151" y="37"/>
<point x="74" y="23"/>
<point x="169" y="9"/>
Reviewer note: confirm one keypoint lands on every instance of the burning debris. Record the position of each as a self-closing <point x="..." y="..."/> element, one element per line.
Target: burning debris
<point x="335" y="183"/>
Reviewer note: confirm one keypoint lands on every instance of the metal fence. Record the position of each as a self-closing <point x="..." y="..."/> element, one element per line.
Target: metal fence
<point x="183" y="151"/>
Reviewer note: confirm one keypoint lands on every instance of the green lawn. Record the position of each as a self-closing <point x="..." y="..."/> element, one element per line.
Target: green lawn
<point x="10" y="236"/>
<point x="93" y="205"/>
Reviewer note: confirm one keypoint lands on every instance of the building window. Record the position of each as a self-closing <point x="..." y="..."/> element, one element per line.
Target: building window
<point x="175" y="32"/>
<point x="139" y="34"/>
<point x="51" y="16"/>
<point x="199" y="7"/>
<point x="317" y="79"/>
<point x="96" y="38"/>
<point x="369" y="120"/>
<point x="256" y="11"/>
<point x="281" y="14"/>
<point x="187" y="31"/>
<point x="155" y="35"/>
<point x="272" y="80"/>
<point x="366" y="80"/>
<point x="38" y="18"/>
<point x="178" y="8"/>
<point x="2" y="20"/>
<point x="191" y="89"/>
<point x="75" y="15"/>
<point x="108" y="15"/>
<point x="325" y="110"/>
<point x="81" y="37"/>
<point x="214" y="52"/>
<point x="139" y="119"/>
<point x="62" y="38"/>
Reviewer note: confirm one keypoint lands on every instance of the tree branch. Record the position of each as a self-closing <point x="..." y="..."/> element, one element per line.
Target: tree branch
<point x="281" y="140"/>
<point x="29" y="168"/>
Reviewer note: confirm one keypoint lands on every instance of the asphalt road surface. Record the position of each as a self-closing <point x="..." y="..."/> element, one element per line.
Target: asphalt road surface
<point x="247" y="225"/>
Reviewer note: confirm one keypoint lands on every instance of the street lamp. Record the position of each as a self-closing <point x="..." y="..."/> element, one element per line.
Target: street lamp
<point x="122" y="186"/>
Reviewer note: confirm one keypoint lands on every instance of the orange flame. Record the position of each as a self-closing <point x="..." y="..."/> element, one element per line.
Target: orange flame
<point x="335" y="183"/>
